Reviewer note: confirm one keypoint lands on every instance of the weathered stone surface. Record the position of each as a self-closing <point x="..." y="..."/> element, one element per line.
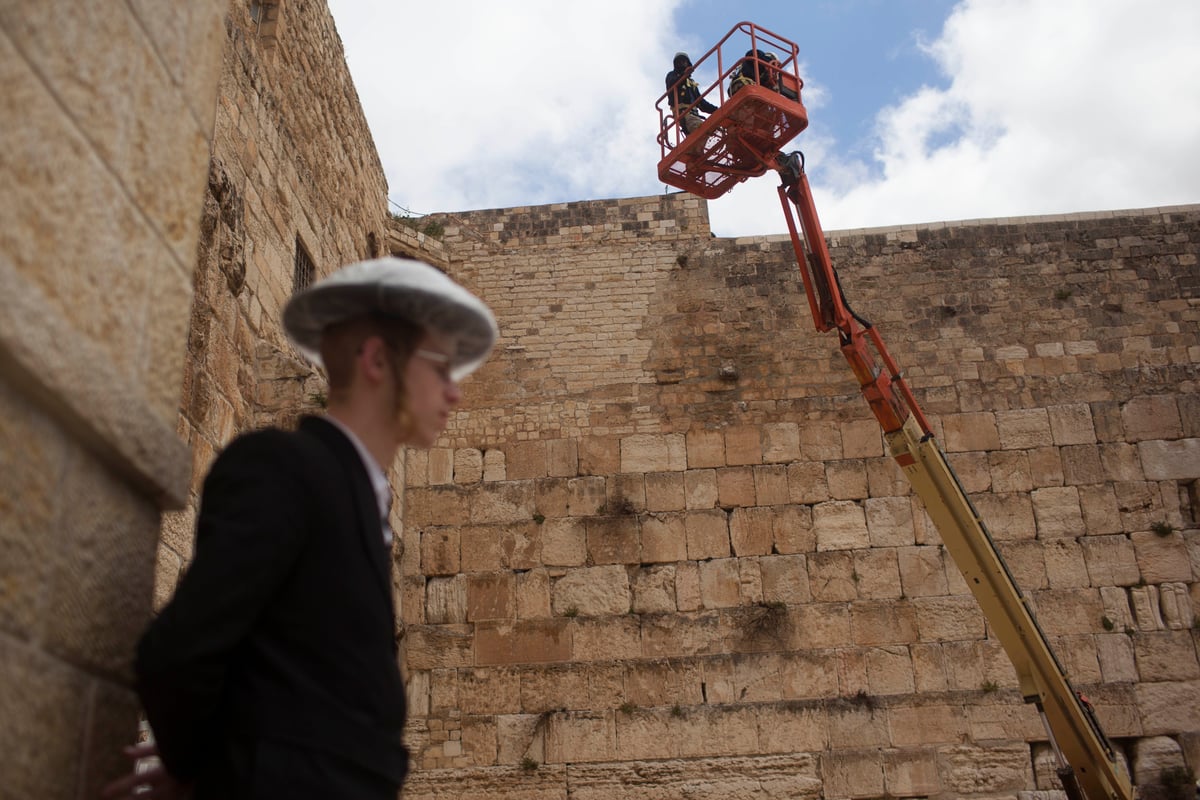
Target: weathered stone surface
<point x="840" y="525"/>
<point x="592" y="591"/>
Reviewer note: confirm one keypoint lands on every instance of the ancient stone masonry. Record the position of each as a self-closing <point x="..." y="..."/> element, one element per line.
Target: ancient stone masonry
<point x="293" y="166"/>
<point x="661" y="545"/>
<point x="108" y="116"/>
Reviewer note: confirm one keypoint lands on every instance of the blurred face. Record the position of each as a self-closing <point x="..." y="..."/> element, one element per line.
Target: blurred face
<point x="431" y="393"/>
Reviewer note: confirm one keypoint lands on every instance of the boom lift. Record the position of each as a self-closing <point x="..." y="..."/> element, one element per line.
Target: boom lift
<point x="743" y="139"/>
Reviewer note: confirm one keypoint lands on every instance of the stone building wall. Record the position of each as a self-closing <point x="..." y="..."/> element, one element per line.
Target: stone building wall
<point x="293" y="166"/>
<point x="660" y="552"/>
<point x="108" y="115"/>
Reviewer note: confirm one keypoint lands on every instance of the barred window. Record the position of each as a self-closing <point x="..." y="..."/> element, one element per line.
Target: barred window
<point x="304" y="271"/>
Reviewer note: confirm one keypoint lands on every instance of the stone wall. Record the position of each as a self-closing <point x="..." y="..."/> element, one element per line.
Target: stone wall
<point x="108" y="114"/>
<point x="293" y="165"/>
<point x="660" y="551"/>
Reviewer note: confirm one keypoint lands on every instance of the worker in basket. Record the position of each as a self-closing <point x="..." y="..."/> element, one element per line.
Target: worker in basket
<point x="683" y="93"/>
<point x="757" y="67"/>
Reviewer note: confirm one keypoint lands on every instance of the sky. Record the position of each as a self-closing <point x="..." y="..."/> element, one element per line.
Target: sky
<point x="919" y="110"/>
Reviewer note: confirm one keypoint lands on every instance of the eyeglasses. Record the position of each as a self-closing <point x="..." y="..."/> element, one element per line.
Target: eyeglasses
<point x="441" y="359"/>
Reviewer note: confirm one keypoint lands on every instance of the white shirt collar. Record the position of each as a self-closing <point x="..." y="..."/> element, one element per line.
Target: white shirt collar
<point x="379" y="481"/>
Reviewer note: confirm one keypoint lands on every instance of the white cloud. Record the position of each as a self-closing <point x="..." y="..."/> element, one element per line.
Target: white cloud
<point x="1052" y="106"/>
<point x="511" y="103"/>
<point x="1048" y="106"/>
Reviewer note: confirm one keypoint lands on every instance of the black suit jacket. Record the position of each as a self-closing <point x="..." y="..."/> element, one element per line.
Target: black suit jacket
<point x="279" y="642"/>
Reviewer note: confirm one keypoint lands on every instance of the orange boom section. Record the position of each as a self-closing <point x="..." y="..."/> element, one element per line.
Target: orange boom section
<point x="757" y="93"/>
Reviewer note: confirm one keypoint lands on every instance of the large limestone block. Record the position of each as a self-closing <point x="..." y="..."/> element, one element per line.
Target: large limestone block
<point x="1007" y="516"/>
<point x="735" y="487"/>
<point x="1114" y="651"/>
<point x="1071" y="424"/>
<point x="1023" y="429"/>
<point x="511" y="501"/>
<point x="488" y="691"/>
<point x="705" y="449"/>
<point x="890" y="671"/>
<point x="441" y="466"/>
<point x="719" y="583"/>
<point x="438" y="646"/>
<point x="1110" y="560"/>
<point x="1151" y="417"/>
<point x="926" y="724"/>
<point x="1167" y="707"/>
<point x="1065" y="567"/>
<point x="104" y="530"/>
<point x="781" y="442"/>
<point x="664" y="538"/>
<point x="793" y="728"/>
<point x="645" y="734"/>
<point x="1166" y="656"/>
<point x="664" y="682"/>
<point x="580" y="737"/>
<point x="440" y="553"/>
<point x="781" y="777"/>
<point x="665" y="491"/>
<point x="707" y="534"/>
<point x="911" y="773"/>
<point x="922" y="571"/>
<point x="1162" y="559"/>
<point x="852" y="773"/>
<point x="889" y="521"/>
<point x="1170" y="461"/>
<point x="489" y="548"/>
<point x="770" y="485"/>
<point x="547" y="782"/>
<point x="997" y="768"/>
<point x="592" y="591"/>
<point x="881" y="623"/>
<point x="522" y="642"/>
<point x="743" y="445"/>
<point x="792" y="529"/>
<point x="674" y="635"/>
<point x="1010" y="471"/>
<point x="586" y="496"/>
<point x="1100" y="512"/>
<point x="785" y="579"/>
<point x="861" y="439"/>
<point x="947" y="618"/>
<point x="564" y="543"/>
<point x="840" y="525"/>
<point x="468" y="465"/>
<point x="533" y="594"/>
<point x="42" y="700"/>
<point x="1057" y="512"/>
<point x="654" y="453"/>
<point x="1176" y="606"/>
<point x="878" y="574"/>
<point x="1068" y="611"/>
<point x="750" y="678"/>
<point x="654" y="590"/>
<point x="700" y="488"/>
<point x="614" y="540"/>
<point x="446" y="600"/>
<point x="831" y="576"/>
<point x="491" y="595"/>
<point x="846" y="479"/>
<point x="807" y="483"/>
<point x="750" y="531"/>
<point x="971" y="431"/>
<point x="605" y="639"/>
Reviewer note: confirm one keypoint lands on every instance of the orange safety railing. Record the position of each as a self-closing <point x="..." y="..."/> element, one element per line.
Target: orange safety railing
<point x="757" y="93"/>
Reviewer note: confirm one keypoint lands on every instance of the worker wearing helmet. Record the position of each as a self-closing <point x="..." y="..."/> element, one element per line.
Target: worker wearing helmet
<point x="684" y="95"/>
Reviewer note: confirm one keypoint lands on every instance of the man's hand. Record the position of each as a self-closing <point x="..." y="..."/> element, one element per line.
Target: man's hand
<point x="153" y="783"/>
